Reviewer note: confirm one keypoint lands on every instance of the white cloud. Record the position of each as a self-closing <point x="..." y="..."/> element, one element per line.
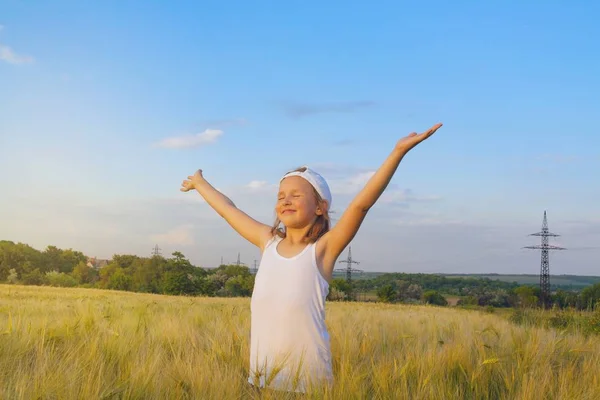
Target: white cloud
<point x="256" y="184"/>
<point x="352" y="184"/>
<point x="181" y="235"/>
<point x="391" y="238"/>
<point x="404" y="196"/>
<point x="7" y="54"/>
<point x="258" y="187"/>
<point x="181" y="142"/>
<point x="10" y="56"/>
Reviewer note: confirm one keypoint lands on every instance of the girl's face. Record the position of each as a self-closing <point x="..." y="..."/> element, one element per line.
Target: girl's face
<point x="296" y="203"/>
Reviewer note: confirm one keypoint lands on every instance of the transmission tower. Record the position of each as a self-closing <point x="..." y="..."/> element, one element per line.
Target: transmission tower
<point x="349" y="270"/>
<point x="238" y="262"/>
<point x="156" y="250"/>
<point x="545" y="268"/>
<point x="255" y="269"/>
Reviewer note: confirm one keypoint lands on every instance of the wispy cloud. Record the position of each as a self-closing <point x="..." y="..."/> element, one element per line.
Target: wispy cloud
<point x="343" y="142"/>
<point x="227" y="123"/>
<point x="262" y="187"/>
<point x="297" y="110"/>
<point x="209" y="136"/>
<point x="256" y="184"/>
<point x="405" y="196"/>
<point x="8" y="55"/>
<point x="333" y="170"/>
<point x="179" y="236"/>
<point x="351" y="184"/>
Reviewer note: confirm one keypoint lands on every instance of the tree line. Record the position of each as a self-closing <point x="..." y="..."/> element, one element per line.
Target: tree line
<point x="176" y="275"/>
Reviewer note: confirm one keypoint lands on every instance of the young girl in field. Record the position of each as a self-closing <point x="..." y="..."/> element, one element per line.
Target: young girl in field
<point x="289" y="341"/>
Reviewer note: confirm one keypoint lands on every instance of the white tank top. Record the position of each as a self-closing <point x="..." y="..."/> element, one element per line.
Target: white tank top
<point x="289" y="341"/>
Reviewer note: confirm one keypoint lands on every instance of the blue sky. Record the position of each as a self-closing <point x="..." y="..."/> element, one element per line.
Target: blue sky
<point x="94" y="95"/>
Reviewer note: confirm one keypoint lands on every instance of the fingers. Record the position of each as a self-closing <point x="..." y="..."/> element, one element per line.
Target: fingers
<point x="431" y="130"/>
<point x="434" y="128"/>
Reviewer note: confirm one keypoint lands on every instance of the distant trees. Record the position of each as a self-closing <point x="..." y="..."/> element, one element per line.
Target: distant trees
<point x="20" y="263"/>
<point x="176" y="275"/>
<point x="435" y="298"/>
<point x="400" y="291"/>
<point x="590" y="297"/>
<point x="339" y="289"/>
<point x="387" y="293"/>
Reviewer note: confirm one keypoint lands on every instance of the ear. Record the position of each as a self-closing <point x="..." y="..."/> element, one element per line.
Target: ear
<point x="321" y="207"/>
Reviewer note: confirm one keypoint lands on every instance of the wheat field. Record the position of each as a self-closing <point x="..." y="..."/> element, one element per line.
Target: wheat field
<point x="58" y="343"/>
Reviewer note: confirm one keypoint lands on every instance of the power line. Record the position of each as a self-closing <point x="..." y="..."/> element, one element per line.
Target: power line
<point x="349" y="270"/>
<point x="545" y="265"/>
<point x="238" y="262"/>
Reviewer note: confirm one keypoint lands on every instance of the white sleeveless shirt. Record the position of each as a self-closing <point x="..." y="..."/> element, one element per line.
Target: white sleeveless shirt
<point x="289" y="341"/>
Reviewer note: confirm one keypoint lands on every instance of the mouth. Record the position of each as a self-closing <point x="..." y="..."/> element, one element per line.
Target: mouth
<point x="286" y="212"/>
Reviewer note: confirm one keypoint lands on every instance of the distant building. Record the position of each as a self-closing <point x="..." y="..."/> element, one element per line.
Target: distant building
<point x="95" y="263"/>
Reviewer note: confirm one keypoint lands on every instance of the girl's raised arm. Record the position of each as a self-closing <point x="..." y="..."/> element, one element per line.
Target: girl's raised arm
<point x="344" y="231"/>
<point x="255" y="232"/>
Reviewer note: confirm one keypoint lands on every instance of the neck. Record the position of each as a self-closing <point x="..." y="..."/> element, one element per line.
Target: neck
<point x="297" y="236"/>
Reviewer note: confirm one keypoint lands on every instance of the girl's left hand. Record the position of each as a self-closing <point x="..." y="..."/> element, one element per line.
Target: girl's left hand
<point x="410" y="141"/>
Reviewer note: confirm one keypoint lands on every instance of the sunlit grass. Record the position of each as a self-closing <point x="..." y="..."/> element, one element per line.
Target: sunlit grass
<point x="85" y="343"/>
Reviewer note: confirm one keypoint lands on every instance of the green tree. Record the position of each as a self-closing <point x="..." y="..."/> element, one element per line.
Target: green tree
<point x="12" y="276"/>
<point x="386" y="293"/>
<point x="124" y="260"/>
<point x="590" y="296"/>
<point x="239" y="286"/>
<point x="435" y="298"/>
<point x="147" y="274"/>
<point x="178" y="283"/>
<point x="52" y="258"/>
<point x="105" y="275"/>
<point x="119" y="280"/>
<point x="339" y="289"/>
<point x="60" y="279"/>
<point x="467" y="301"/>
<point x="82" y="273"/>
<point x="34" y="277"/>
<point x="69" y="259"/>
<point x="526" y="295"/>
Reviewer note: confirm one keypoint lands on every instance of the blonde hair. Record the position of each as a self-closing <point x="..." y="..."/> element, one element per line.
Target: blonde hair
<point x="319" y="227"/>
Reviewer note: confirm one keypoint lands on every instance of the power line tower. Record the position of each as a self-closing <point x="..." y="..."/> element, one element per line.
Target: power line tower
<point x="238" y="262"/>
<point x="156" y="250"/>
<point x="349" y="270"/>
<point x="545" y="268"/>
<point x="255" y="269"/>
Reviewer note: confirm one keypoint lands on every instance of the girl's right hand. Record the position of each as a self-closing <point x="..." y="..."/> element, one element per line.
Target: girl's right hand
<point x="192" y="181"/>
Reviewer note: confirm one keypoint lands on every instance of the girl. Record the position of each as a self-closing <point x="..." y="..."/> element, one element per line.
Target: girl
<point x="289" y="341"/>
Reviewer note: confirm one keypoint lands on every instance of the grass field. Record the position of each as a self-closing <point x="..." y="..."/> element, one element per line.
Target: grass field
<point x="58" y="343"/>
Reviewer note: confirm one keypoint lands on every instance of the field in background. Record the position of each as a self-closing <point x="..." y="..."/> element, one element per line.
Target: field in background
<point x="574" y="281"/>
<point x="87" y="343"/>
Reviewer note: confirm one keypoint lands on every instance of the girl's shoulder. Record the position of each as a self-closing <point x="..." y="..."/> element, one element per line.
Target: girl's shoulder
<point x="274" y="239"/>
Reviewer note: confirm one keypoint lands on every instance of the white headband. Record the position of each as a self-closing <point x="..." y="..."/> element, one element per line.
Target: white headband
<point x="316" y="180"/>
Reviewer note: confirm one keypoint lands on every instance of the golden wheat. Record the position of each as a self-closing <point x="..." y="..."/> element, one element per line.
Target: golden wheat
<point x="58" y="343"/>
